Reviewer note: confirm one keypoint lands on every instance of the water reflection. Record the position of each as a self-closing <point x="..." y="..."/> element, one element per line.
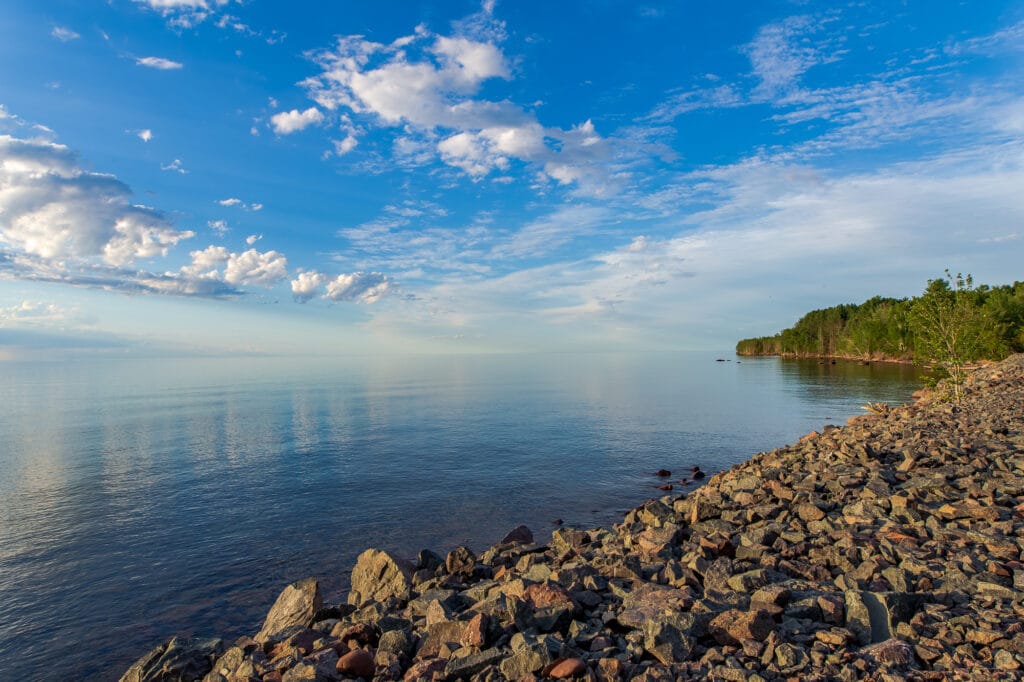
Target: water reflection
<point x="140" y="500"/>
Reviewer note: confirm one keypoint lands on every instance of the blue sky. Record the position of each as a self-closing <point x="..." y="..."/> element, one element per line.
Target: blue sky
<point x="216" y="176"/>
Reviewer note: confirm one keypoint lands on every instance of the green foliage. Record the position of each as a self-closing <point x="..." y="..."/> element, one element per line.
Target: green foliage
<point x="952" y="324"/>
<point x="953" y="327"/>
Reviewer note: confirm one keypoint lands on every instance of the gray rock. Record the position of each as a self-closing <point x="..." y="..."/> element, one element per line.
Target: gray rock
<point x="666" y="642"/>
<point x="179" y="660"/>
<point x="465" y="667"/>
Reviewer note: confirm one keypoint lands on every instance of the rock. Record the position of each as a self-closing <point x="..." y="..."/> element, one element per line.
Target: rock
<point x="547" y="594"/>
<point x="666" y="642"/>
<point x="378" y="577"/>
<point x="179" y="660"/>
<point x="525" y="662"/>
<point x="398" y="642"/>
<point x="566" y="668"/>
<point x="425" y="670"/>
<point x="357" y="663"/>
<point x="520" y="535"/>
<point x="663" y="473"/>
<point x="465" y="667"/>
<point x="428" y="561"/>
<point x="475" y="633"/>
<point x="460" y="561"/>
<point x="297" y="605"/>
<point x="733" y="626"/>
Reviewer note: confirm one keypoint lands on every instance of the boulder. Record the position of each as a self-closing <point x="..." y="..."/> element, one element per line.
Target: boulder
<point x="179" y="660"/>
<point x="357" y="663"/>
<point x="378" y="576"/>
<point x="297" y="606"/>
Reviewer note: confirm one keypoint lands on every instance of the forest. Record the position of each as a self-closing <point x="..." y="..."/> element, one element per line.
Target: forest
<point x="951" y="318"/>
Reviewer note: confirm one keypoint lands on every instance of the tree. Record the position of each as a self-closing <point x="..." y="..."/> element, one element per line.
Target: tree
<point x="952" y="329"/>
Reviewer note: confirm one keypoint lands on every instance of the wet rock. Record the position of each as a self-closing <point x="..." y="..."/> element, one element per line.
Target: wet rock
<point x="520" y="535"/>
<point x="179" y="659"/>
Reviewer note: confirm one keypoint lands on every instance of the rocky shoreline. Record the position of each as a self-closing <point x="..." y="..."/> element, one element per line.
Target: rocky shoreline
<point x="888" y="549"/>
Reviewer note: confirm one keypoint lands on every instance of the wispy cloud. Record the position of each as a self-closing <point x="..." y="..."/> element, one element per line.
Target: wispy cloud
<point x="158" y="63"/>
<point x="174" y="167"/>
<point x="235" y="202"/>
<point x="65" y="35"/>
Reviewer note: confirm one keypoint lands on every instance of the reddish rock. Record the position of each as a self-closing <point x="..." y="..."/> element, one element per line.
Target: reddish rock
<point x="475" y="633"/>
<point x="357" y="663"/>
<point x="667" y="486"/>
<point x="520" y="535"/>
<point x="363" y="633"/>
<point x="547" y="594"/>
<point x="664" y="472"/>
<point x="564" y="668"/>
<point x="425" y="670"/>
<point x="733" y="626"/>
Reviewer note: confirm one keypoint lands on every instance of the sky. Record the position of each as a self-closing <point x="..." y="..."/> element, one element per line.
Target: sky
<point x="257" y="177"/>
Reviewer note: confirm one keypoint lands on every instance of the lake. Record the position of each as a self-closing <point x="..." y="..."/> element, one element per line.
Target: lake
<point x="140" y="499"/>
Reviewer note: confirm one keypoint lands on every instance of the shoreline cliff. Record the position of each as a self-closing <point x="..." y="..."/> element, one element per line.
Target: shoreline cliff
<point x="887" y="549"/>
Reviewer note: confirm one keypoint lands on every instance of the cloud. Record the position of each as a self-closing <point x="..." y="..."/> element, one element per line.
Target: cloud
<point x="238" y="203"/>
<point x="307" y="284"/>
<point x="52" y="208"/>
<point x="33" y="313"/>
<point x="780" y="56"/>
<point x="253" y="238"/>
<point x="145" y="135"/>
<point x="64" y="35"/>
<point x="249" y="268"/>
<point x="184" y="13"/>
<point x="174" y="166"/>
<point x="288" y="122"/>
<point x="158" y="63"/>
<point x="221" y="227"/>
<point x="425" y="86"/>
<point x="360" y="287"/>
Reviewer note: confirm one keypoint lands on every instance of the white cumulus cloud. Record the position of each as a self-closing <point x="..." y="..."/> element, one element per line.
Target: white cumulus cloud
<point x="145" y="135"/>
<point x="288" y="122"/>
<point x="362" y="287"/>
<point x="52" y="208"/>
<point x="426" y="88"/>
<point x="306" y="285"/>
<point x="249" y="268"/>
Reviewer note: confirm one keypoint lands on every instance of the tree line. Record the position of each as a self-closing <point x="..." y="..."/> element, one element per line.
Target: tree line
<point x="951" y="324"/>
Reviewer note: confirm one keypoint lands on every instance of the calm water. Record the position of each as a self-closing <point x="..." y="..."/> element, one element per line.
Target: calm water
<point x="142" y="499"/>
